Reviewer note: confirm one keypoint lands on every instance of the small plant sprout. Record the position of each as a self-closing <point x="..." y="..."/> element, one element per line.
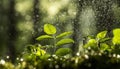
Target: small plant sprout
<point x="58" y="40"/>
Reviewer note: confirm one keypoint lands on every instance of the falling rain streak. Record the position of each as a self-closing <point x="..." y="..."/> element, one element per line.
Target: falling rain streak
<point x="87" y="21"/>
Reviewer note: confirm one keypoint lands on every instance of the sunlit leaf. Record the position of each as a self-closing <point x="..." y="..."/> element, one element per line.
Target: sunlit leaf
<point x="44" y="37"/>
<point x="91" y="43"/>
<point x="104" y="46"/>
<point x="64" y="41"/>
<point x="116" y="38"/>
<point x="101" y="34"/>
<point x="63" y="34"/>
<point x="63" y="51"/>
<point x="116" y="32"/>
<point x="49" y="29"/>
<point x="40" y="52"/>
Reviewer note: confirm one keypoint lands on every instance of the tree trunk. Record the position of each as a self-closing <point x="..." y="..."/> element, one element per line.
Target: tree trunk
<point x="12" y="32"/>
<point x="35" y="20"/>
<point x="76" y="28"/>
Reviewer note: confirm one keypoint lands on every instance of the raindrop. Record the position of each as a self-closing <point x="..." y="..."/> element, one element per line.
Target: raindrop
<point x="114" y="55"/>
<point x="2" y="61"/>
<point x="86" y="56"/>
<point x="21" y="59"/>
<point x="49" y="59"/>
<point x="17" y="58"/>
<point x="37" y="15"/>
<point x="53" y="55"/>
<point x="65" y="56"/>
<point x="78" y="54"/>
<point x="100" y="54"/>
<point x="89" y="48"/>
<point x="56" y="66"/>
<point x="118" y="56"/>
<point x="7" y="57"/>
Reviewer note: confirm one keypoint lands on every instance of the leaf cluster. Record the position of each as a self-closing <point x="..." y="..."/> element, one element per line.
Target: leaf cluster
<point x="104" y="44"/>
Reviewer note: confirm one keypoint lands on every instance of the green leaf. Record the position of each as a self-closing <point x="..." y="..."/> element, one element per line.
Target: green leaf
<point x="91" y="43"/>
<point x="105" y="39"/>
<point x="116" y="32"/>
<point x="64" y="41"/>
<point x="28" y="56"/>
<point x="104" y="46"/>
<point x="101" y="34"/>
<point x="44" y="37"/>
<point x="63" y="51"/>
<point x="63" y="34"/>
<point x="40" y="52"/>
<point x="49" y="29"/>
<point x="90" y="37"/>
<point x="45" y="56"/>
<point x="116" y="38"/>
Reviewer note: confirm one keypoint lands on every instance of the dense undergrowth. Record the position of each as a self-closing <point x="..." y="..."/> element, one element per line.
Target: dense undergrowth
<point x="100" y="52"/>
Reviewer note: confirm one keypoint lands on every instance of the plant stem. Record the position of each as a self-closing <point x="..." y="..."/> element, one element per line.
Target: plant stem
<point x="54" y="44"/>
